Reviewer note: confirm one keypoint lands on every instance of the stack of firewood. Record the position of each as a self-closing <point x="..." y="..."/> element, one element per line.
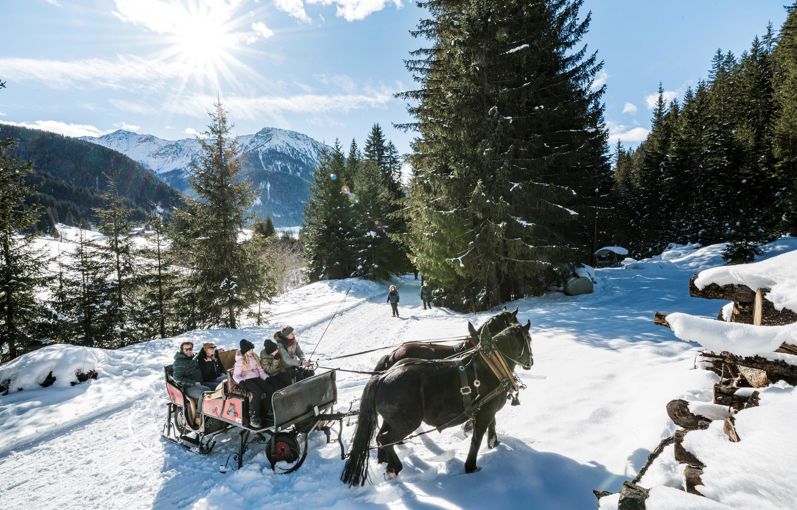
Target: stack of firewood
<point x="736" y="390"/>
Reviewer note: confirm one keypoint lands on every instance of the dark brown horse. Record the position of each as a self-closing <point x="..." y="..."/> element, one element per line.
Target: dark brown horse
<point x="429" y="391"/>
<point x="425" y="350"/>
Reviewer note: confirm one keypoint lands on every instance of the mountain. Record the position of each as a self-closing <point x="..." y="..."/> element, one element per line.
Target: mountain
<point x="278" y="163"/>
<point x="71" y="174"/>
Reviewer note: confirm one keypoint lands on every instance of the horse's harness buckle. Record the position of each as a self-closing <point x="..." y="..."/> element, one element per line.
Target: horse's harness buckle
<point x="465" y="390"/>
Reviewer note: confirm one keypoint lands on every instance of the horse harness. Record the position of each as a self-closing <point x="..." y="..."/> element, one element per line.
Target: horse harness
<point x="495" y="361"/>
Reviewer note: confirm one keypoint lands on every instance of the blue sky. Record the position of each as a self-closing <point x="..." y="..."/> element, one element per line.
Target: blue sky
<point x="327" y="68"/>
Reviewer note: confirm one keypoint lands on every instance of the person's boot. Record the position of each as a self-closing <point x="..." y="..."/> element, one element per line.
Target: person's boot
<point x="255" y="423"/>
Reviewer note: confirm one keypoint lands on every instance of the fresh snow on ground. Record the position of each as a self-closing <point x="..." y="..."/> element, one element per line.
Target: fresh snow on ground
<point x="593" y="409"/>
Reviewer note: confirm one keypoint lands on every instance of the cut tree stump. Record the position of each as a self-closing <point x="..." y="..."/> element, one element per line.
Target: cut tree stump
<point x="633" y="497"/>
<point x="730" y="429"/>
<point x="679" y="413"/>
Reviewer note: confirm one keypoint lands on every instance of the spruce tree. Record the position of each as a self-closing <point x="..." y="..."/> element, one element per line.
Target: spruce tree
<point x="328" y="226"/>
<point x="785" y="129"/>
<point x="158" y="283"/>
<point x="511" y="152"/>
<point x="218" y="260"/>
<point x="115" y="225"/>
<point x="21" y="269"/>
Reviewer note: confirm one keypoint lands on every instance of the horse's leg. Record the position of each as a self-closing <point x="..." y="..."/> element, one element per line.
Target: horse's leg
<point x="380" y="452"/>
<point x="492" y="438"/>
<point x="480" y="425"/>
<point x="395" y="433"/>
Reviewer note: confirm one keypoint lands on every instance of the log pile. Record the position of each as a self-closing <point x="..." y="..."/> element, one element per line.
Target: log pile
<point x="749" y="306"/>
<point x="735" y="391"/>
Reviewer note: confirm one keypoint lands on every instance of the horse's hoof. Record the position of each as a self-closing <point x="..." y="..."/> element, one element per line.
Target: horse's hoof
<point x="493" y="443"/>
<point x="390" y="475"/>
<point x="474" y="469"/>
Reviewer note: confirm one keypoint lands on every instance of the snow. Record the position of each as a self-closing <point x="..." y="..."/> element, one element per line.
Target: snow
<point x="516" y="49"/>
<point x="619" y="250"/>
<point x="742" y="339"/>
<point x="593" y="409"/>
<point x="779" y="274"/>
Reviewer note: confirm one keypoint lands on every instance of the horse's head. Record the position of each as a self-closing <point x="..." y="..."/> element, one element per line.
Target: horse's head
<point x="514" y="342"/>
<point x="499" y="322"/>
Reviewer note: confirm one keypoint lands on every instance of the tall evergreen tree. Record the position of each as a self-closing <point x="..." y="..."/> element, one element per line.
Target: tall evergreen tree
<point x="511" y="146"/>
<point x="217" y="259"/>
<point x="785" y="131"/>
<point x="328" y="226"/>
<point x="115" y="225"/>
<point x="21" y="269"/>
<point x="158" y="283"/>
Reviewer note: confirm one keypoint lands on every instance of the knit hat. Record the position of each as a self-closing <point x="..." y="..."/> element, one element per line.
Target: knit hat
<point x="270" y="346"/>
<point x="208" y="345"/>
<point x="246" y="346"/>
<point x="287" y="330"/>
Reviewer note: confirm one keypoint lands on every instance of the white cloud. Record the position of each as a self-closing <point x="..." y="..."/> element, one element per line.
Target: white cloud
<point x="59" y="127"/>
<point x="350" y="10"/>
<point x="54" y="2"/>
<point x="131" y="107"/>
<point x="192" y="132"/>
<point x="599" y="80"/>
<point x="241" y="107"/>
<point x="260" y="28"/>
<point x="127" y="127"/>
<point x="652" y="99"/>
<point x="126" y="72"/>
<point x="629" y="108"/>
<point x="627" y="134"/>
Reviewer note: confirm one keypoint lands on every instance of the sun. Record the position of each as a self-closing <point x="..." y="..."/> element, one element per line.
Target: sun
<point x="202" y="40"/>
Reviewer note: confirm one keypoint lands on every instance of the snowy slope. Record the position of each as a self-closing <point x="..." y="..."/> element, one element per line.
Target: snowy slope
<point x="594" y="406"/>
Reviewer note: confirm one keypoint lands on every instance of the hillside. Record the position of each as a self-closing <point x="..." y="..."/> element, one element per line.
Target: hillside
<point x="592" y="410"/>
<point x="278" y="163"/>
<point x="70" y="175"/>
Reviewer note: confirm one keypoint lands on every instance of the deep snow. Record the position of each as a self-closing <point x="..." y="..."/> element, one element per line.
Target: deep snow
<point x="593" y="409"/>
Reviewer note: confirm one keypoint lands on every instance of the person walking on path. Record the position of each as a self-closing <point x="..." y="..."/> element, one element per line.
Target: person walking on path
<point x="426" y="295"/>
<point x="393" y="299"/>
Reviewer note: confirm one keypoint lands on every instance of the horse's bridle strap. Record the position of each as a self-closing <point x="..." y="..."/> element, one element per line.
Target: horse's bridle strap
<point x="496" y="363"/>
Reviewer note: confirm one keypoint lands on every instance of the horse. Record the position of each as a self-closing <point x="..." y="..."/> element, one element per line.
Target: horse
<point x="431" y="391"/>
<point x="425" y="350"/>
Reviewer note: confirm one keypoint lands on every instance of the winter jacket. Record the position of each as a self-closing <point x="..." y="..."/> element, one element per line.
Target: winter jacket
<point x="252" y="371"/>
<point x="273" y="365"/>
<point x="426" y="293"/>
<point x="211" y="368"/>
<point x="291" y="354"/>
<point x="185" y="370"/>
<point x="393" y="297"/>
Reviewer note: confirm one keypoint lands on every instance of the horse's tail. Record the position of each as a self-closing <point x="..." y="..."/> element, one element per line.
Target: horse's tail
<point x="355" y="472"/>
<point x="383" y="364"/>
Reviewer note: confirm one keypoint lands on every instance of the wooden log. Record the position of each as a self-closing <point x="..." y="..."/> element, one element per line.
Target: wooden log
<point x="732" y="292"/>
<point x="787" y="349"/>
<point x="758" y="307"/>
<point x="660" y="319"/>
<point x="726" y="395"/>
<point x="776" y="369"/>
<point x="692" y="479"/>
<point x="632" y="497"/>
<point x="682" y="455"/>
<point x="730" y="429"/>
<point x="755" y="377"/>
<point x="679" y="413"/>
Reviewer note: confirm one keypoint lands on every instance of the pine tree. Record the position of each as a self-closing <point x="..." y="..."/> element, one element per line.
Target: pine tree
<point x="158" y="283"/>
<point x="218" y="261"/>
<point x="328" y="225"/>
<point x="115" y="225"/>
<point x="265" y="227"/>
<point x="512" y="146"/>
<point x="21" y="269"/>
<point x="785" y="130"/>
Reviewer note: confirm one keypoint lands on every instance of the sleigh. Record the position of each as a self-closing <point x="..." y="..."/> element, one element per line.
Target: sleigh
<point x="298" y="410"/>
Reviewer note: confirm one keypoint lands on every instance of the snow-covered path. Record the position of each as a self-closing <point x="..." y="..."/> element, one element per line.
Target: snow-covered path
<point x="593" y="408"/>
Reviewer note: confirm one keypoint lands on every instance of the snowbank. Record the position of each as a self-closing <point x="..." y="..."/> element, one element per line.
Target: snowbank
<point x="741" y="339"/>
<point x="64" y="361"/>
<point x="779" y="274"/>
